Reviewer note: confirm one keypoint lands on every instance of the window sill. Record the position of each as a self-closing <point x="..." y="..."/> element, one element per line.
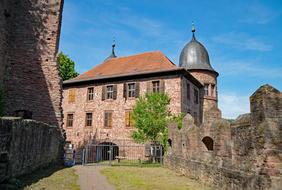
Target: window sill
<point x="108" y="100"/>
<point x="131" y="98"/>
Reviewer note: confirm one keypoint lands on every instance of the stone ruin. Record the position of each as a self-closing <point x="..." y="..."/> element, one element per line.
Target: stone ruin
<point x="244" y="154"/>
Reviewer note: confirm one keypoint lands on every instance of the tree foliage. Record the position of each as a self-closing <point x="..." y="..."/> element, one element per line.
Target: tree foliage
<point x="151" y="116"/>
<point x="66" y="68"/>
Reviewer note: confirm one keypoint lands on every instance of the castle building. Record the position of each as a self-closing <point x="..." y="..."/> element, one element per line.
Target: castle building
<point x="98" y="103"/>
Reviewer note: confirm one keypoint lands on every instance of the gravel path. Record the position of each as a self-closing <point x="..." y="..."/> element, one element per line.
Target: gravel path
<point x="90" y="178"/>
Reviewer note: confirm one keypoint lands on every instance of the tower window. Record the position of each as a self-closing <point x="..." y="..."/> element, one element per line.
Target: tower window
<point x="206" y="89"/>
<point x="188" y="91"/>
<point x="213" y="90"/>
<point x="196" y="96"/>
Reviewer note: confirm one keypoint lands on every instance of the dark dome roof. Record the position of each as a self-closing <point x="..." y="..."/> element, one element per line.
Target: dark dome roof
<point x="194" y="56"/>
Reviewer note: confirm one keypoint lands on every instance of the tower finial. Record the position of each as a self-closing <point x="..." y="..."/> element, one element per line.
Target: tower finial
<point x="193" y="31"/>
<point x="193" y="27"/>
<point x="113" y="46"/>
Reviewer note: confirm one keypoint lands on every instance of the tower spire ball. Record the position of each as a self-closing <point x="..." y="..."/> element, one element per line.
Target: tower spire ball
<point x="193" y="27"/>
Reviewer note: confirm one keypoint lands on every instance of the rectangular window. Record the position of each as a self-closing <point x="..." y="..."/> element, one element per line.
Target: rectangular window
<point x="70" y="120"/>
<point x="110" y="92"/>
<point x="206" y="89"/>
<point x="196" y="96"/>
<point x="128" y="118"/>
<point x="88" y="120"/>
<point x="156" y="86"/>
<point x="90" y="93"/>
<point x="108" y="119"/>
<point x="213" y="90"/>
<point x="131" y="89"/>
<point x="188" y="91"/>
<point x="71" y="95"/>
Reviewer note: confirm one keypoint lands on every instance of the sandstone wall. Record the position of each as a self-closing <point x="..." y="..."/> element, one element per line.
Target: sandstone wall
<point x="29" y="35"/>
<point x="79" y="134"/>
<point x="245" y="154"/>
<point x="210" y="102"/>
<point x="26" y="145"/>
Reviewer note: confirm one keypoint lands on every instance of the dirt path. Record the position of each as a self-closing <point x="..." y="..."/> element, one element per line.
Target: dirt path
<point x="90" y="178"/>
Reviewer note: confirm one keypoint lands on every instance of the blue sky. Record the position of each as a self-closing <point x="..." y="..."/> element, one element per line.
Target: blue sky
<point x="243" y="38"/>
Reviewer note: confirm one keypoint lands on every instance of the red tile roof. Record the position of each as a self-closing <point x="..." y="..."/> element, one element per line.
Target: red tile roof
<point x="140" y="63"/>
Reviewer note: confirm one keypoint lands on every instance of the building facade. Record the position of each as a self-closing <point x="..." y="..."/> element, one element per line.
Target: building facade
<point x="98" y="103"/>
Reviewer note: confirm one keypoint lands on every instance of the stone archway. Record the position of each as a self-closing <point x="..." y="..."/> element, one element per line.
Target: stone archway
<point x="209" y="143"/>
<point x="106" y="151"/>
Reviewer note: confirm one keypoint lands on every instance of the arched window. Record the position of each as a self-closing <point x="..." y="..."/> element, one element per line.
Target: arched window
<point x="169" y="142"/>
<point x="208" y="141"/>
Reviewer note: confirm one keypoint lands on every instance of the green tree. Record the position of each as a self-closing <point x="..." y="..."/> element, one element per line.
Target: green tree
<point x="151" y="116"/>
<point x="66" y="68"/>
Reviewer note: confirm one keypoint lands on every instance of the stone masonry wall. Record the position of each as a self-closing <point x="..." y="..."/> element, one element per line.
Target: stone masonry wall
<point x="78" y="134"/>
<point x="28" y="58"/>
<point x="210" y="102"/>
<point x="26" y="145"/>
<point x="245" y="154"/>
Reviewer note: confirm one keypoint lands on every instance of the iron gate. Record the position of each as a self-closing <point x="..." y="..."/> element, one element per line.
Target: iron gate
<point x="112" y="154"/>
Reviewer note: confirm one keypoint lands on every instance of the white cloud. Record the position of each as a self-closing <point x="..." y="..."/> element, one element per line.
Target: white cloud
<point x="258" y="14"/>
<point x="232" y="105"/>
<point x="251" y="68"/>
<point x="242" y="41"/>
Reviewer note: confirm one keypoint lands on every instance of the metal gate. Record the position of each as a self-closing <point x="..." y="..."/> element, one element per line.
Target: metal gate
<point x="112" y="154"/>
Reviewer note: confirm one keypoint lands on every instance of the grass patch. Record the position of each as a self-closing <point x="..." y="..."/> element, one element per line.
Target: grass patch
<point x="51" y="179"/>
<point x="147" y="178"/>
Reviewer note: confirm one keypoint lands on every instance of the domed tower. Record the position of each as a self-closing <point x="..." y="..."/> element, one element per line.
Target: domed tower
<point x="194" y="58"/>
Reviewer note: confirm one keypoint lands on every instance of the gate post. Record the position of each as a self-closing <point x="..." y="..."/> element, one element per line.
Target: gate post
<point x="86" y="154"/>
<point x="111" y="153"/>
<point x="161" y="154"/>
<point x="83" y="157"/>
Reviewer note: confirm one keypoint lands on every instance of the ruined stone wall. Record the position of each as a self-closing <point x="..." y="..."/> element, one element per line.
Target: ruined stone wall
<point x="245" y="154"/>
<point x="26" y="145"/>
<point x="3" y="38"/>
<point x="28" y="57"/>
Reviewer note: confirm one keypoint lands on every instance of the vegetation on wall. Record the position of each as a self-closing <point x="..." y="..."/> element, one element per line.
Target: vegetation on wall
<point x="66" y="67"/>
<point x="151" y="116"/>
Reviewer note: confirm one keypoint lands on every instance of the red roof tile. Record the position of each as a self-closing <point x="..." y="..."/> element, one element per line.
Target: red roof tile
<point x="145" y="62"/>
